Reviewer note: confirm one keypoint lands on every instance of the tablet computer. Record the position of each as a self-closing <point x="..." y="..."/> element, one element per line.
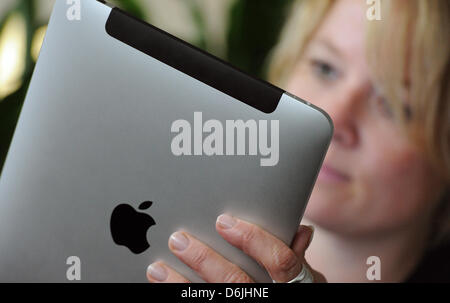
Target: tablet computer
<point x="128" y="134"/>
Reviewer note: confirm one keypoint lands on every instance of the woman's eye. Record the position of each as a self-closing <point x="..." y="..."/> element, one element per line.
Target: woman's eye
<point x="386" y="108"/>
<point x="383" y="106"/>
<point x="324" y="70"/>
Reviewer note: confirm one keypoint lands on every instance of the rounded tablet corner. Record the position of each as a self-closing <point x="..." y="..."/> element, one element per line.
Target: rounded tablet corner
<point x="327" y="117"/>
<point x="318" y="109"/>
<point x="106" y="3"/>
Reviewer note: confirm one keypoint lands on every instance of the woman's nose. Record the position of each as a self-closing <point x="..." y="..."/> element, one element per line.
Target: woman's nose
<point x="346" y="111"/>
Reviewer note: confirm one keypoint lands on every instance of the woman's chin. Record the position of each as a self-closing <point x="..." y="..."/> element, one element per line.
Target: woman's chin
<point x="328" y="208"/>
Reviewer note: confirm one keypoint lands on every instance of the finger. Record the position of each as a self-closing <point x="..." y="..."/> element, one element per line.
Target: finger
<point x="277" y="258"/>
<point x="317" y="276"/>
<point x="302" y="240"/>
<point x="159" y="272"/>
<point x="207" y="263"/>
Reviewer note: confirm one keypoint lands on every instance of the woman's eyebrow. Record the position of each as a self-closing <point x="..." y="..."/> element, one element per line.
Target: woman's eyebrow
<point x="328" y="46"/>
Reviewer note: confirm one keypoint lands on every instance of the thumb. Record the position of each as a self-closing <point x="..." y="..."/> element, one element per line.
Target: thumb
<point x="302" y="239"/>
<point x="300" y="244"/>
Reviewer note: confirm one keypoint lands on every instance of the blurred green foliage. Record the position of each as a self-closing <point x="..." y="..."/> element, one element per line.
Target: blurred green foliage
<point x="133" y="7"/>
<point x="10" y="106"/>
<point x="254" y="26"/>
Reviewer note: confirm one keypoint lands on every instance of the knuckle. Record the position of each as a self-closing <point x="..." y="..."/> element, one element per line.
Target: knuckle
<point x="285" y="260"/>
<point x="236" y="276"/>
<point x="248" y="237"/>
<point x="199" y="258"/>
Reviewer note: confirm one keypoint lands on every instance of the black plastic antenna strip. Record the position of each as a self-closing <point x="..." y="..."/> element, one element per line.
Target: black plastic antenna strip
<point x="193" y="61"/>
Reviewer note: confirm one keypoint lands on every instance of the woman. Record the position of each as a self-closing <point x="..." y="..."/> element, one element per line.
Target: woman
<point x="382" y="190"/>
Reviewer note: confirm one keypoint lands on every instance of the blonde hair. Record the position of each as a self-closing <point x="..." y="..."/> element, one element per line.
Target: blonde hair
<point x="412" y="39"/>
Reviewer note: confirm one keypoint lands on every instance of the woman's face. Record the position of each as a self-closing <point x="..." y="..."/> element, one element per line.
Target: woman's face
<point x="373" y="178"/>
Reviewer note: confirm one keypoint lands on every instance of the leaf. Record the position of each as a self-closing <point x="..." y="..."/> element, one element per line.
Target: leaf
<point x="254" y="28"/>
<point x="133" y="7"/>
<point x="145" y="205"/>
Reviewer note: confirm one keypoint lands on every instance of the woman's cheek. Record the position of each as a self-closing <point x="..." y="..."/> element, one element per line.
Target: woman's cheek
<point x="305" y="86"/>
<point x="399" y="186"/>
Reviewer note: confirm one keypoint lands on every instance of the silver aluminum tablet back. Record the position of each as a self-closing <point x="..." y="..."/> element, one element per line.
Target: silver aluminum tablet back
<point x="95" y="132"/>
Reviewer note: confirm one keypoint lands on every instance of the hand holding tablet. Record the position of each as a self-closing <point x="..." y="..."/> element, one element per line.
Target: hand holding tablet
<point x="96" y="135"/>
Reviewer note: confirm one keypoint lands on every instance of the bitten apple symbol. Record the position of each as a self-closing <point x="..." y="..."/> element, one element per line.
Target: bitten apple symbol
<point x="129" y="227"/>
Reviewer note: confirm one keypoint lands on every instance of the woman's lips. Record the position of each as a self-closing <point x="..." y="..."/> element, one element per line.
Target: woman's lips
<point x="329" y="174"/>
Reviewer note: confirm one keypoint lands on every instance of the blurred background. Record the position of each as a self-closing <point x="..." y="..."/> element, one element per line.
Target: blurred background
<point x="241" y="32"/>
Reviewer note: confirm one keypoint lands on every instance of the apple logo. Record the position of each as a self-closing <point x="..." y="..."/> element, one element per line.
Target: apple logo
<point x="129" y="227"/>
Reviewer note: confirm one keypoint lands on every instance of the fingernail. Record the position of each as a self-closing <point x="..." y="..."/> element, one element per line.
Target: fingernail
<point x="226" y="221"/>
<point x="157" y="272"/>
<point x="312" y="235"/>
<point x="179" y="241"/>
